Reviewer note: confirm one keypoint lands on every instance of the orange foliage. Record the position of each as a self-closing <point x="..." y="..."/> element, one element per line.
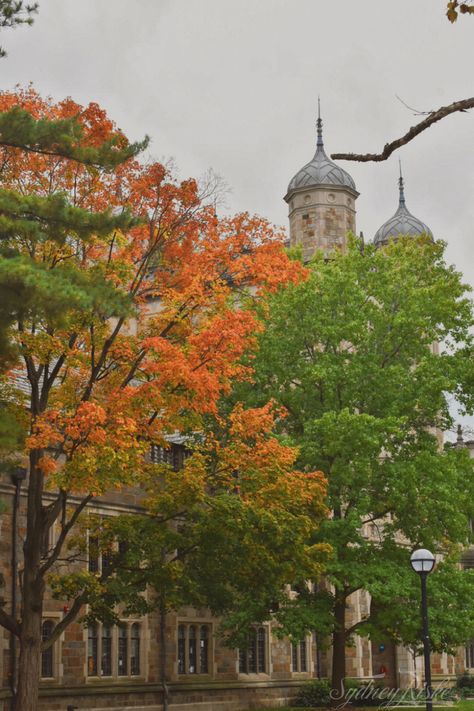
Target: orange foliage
<point x="193" y="280"/>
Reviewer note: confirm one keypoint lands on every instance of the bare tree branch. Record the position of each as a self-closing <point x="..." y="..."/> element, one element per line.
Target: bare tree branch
<point x="69" y="617"/>
<point x="65" y="529"/>
<point x="414" y="131"/>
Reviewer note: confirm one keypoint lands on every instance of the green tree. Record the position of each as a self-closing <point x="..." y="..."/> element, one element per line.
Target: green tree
<point x="395" y="611"/>
<point x="351" y="354"/>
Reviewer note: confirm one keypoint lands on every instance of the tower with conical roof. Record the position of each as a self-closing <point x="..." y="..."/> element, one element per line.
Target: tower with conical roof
<point x="402" y="222"/>
<point x="321" y="200"/>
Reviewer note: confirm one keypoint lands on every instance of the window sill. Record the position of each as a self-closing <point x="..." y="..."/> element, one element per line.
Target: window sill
<point x="115" y="679"/>
<point x="251" y="675"/>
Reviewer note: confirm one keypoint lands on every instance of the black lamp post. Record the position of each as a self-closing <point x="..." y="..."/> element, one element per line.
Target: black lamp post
<point x="423" y="562"/>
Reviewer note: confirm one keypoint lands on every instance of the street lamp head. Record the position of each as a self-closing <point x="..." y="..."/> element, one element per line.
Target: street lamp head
<point x="422" y="561"/>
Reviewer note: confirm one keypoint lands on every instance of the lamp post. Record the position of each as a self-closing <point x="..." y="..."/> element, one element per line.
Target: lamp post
<point x="423" y="561"/>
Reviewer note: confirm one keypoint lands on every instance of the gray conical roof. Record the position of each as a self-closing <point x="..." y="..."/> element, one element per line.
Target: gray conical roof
<point x="402" y="223"/>
<point x="321" y="170"/>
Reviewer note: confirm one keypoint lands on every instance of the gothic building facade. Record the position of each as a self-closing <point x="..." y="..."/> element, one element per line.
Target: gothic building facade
<point x="118" y="667"/>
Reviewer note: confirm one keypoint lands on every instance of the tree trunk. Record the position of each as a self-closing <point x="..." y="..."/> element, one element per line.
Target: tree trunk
<point x="30" y="648"/>
<point x="33" y="588"/>
<point x="339" y="647"/>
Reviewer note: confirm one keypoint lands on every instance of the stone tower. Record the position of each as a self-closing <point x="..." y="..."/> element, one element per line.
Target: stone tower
<point x="321" y="199"/>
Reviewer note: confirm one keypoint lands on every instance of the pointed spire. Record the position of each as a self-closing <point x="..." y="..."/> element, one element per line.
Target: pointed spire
<point x="401" y="186"/>
<point x="319" y="124"/>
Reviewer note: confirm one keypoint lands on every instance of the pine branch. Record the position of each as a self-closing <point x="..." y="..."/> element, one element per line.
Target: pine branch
<point x="63" y="138"/>
<point x="53" y="218"/>
<point x="414" y="131"/>
<point x="14" y="13"/>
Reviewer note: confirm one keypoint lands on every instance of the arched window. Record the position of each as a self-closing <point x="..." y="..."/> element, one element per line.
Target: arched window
<point x="203" y="650"/>
<point x="47" y="657"/>
<point x="192" y="655"/>
<point x="92" y="650"/>
<point x="106" y="666"/>
<point x="122" y="656"/>
<point x="135" y="649"/>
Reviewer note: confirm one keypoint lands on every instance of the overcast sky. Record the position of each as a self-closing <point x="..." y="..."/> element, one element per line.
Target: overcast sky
<point x="232" y="85"/>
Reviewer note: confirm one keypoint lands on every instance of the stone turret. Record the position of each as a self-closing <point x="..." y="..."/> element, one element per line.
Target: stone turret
<point x="402" y="222"/>
<point x="321" y="199"/>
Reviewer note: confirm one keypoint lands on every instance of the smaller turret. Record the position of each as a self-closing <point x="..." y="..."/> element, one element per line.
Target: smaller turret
<point x="402" y="222"/>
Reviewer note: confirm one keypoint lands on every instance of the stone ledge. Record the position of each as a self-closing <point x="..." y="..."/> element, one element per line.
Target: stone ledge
<point x="153" y="688"/>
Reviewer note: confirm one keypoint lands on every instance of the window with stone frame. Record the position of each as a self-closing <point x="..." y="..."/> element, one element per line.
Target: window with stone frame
<point x="470" y="655"/>
<point x="48" y="656"/>
<point x="299" y="656"/>
<point x="98" y="561"/>
<point x="253" y="658"/>
<point x="115" y="651"/>
<point x="174" y="455"/>
<point x="194" y="648"/>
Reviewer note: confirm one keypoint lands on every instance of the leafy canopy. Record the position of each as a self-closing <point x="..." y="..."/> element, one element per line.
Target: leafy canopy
<point x="351" y="353"/>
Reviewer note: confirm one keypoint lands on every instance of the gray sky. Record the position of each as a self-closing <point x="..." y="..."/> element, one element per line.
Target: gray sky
<point x="232" y="85"/>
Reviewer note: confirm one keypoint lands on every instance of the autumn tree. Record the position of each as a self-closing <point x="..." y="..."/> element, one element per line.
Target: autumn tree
<point x="127" y="328"/>
<point x="349" y="354"/>
<point x="228" y="532"/>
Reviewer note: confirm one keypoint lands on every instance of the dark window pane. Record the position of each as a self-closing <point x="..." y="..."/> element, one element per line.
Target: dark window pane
<point x="177" y="453"/>
<point x="93" y="554"/>
<point x="106" y="666"/>
<point x="252" y="653"/>
<point x="192" y="650"/>
<point x="106" y="561"/>
<point x="261" y="650"/>
<point x="243" y="661"/>
<point x="303" y="656"/>
<point x="294" y="657"/>
<point x="47" y="656"/>
<point x="470" y="655"/>
<point x="122" y="658"/>
<point x="92" y="651"/>
<point x="204" y="650"/>
<point x="135" y="649"/>
<point x="181" y="649"/>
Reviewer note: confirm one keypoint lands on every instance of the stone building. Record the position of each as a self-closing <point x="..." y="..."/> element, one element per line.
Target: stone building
<point x="117" y="667"/>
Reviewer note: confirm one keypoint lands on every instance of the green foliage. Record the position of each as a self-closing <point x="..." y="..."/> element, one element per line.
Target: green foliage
<point x="315" y="693"/>
<point x="65" y="138"/>
<point x="33" y="218"/>
<point x="465" y="680"/>
<point x="29" y="288"/>
<point x="465" y="685"/>
<point x="349" y="354"/>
